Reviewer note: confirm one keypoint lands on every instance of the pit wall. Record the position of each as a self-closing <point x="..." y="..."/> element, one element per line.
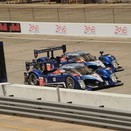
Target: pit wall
<point x="67" y="29"/>
<point x="80" y="97"/>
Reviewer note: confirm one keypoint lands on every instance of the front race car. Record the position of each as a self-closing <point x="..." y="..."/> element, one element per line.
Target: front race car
<point x="71" y="76"/>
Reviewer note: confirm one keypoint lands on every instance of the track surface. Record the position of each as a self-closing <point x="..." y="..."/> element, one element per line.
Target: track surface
<point x="19" y="48"/>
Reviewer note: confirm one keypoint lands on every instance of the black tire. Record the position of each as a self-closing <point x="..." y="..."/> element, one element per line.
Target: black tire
<point x="70" y="84"/>
<point x="33" y="79"/>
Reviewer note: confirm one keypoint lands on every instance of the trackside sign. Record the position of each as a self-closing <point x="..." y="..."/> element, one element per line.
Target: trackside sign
<point x="68" y="29"/>
<point x="10" y="27"/>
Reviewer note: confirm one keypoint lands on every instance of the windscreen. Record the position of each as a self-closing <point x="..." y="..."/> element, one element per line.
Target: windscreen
<point x="80" y="70"/>
<point x="88" y="57"/>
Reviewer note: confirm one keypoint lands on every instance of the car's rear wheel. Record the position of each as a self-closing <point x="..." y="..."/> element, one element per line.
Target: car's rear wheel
<point x="33" y="79"/>
<point x="70" y="84"/>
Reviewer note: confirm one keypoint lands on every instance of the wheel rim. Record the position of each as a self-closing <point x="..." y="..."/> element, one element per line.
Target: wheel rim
<point x="33" y="79"/>
<point x="70" y="83"/>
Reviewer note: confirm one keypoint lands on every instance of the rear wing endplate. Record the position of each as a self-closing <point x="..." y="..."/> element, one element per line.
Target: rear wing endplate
<point x="50" y="50"/>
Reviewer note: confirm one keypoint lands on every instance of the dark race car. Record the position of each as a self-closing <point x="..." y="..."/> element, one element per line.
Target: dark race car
<point x="72" y="76"/>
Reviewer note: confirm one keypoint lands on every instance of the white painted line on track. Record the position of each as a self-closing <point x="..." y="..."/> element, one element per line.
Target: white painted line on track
<point x="68" y="39"/>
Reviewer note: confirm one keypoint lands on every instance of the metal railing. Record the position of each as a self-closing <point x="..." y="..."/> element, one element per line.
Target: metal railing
<point x="87" y="115"/>
<point x="72" y="15"/>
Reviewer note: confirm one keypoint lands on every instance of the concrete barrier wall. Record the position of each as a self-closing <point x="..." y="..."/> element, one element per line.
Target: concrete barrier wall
<point x="31" y="92"/>
<point x="1" y="91"/>
<point x="99" y="99"/>
<point x="80" y="97"/>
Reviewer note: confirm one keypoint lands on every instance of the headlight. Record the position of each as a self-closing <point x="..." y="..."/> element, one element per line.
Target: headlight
<point x="97" y="82"/>
<point x="82" y="84"/>
<point x="114" y="63"/>
<point x="113" y="77"/>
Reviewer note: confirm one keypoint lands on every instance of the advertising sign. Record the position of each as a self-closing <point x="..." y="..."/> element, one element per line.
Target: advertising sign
<point x="10" y="27"/>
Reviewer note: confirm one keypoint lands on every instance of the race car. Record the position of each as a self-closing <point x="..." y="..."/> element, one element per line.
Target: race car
<point x="103" y="61"/>
<point x="110" y="61"/>
<point x="70" y="57"/>
<point x="72" y="76"/>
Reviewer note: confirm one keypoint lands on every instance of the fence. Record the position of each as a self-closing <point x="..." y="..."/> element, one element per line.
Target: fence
<point x="72" y="15"/>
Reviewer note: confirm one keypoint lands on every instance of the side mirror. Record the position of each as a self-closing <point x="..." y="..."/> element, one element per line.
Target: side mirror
<point x="35" y="53"/>
<point x="64" y="48"/>
<point x="101" y="52"/>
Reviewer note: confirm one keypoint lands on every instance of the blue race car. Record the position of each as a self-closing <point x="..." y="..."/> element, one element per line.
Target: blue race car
<point x="72" y="76"/>
<point x="104" y="61"/>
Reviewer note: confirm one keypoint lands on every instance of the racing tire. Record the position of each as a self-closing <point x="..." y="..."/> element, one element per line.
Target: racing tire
<point x="70" y="84"/>
<point x="33" y="79"/>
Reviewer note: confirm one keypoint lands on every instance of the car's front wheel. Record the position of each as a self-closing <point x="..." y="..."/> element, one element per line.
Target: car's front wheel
<point x="70" y="84"/>
<point x="33" y="79"/>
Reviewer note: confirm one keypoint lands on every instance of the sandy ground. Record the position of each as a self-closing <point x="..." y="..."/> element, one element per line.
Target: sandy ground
<point x="12" y="123"/>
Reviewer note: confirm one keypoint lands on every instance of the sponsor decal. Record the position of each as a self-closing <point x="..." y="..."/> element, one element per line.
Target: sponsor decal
<point x="121" y="30"/>
<point x="34" y="28"/>
<point x="54" y="79"/>
<point x="88" y="29"/>
<point x="62" y="29"/>
<point x="10" y="27"/>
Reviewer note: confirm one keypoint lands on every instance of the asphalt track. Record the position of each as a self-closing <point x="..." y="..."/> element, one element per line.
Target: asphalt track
<point x="19" y="48"/>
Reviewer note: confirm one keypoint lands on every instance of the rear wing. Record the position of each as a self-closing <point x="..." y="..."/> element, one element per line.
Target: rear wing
<point x="35" y="65"/>
<point x="50" y="51"/>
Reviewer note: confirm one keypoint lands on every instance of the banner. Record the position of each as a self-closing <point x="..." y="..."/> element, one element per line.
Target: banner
<point x="68" y="29"/>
